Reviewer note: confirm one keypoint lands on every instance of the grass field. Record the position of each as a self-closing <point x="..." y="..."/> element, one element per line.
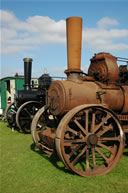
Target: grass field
<point x="26" y="170"/>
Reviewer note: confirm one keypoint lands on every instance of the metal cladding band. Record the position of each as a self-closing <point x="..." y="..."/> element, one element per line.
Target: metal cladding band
<point x="27" y="73"/>
<point x="27" y="59"/>
<point x="74" y="40"/>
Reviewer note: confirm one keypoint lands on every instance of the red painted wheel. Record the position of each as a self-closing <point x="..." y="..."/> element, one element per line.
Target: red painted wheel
<point x="90" y="140"/>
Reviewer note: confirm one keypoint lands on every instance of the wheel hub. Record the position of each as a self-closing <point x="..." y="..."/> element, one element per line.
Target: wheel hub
<point x="92" y="140"/>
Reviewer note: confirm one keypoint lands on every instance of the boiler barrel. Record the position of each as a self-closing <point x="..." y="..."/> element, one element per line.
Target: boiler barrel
<point x="65" y="95"/>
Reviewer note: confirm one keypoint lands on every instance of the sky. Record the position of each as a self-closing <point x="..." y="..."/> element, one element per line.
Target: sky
<point x="37" y="29"/>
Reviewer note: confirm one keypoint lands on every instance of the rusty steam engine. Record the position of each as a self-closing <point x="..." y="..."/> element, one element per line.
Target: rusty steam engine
<point x="86" y="116"/>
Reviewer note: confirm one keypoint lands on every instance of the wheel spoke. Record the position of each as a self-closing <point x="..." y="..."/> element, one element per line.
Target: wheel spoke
<point x="26" y="110"/>
<point x="105" y="129"/>
<point x="76" y="148"/>
<point x="93" y="122"/>
<point x="80" y="126"/>
<point x="73" y="141"/>
<point x="87" y="159"/>
<point x="106" y="147"/>
<point x="101" y="123"/>
<point x="79" y="155"/>
<point x="86" y="121"/>
<point x="102" y="155"/>
<point x="93" y="157"/>
<point x="72" y="131"/>
<point x="110" y="138"/>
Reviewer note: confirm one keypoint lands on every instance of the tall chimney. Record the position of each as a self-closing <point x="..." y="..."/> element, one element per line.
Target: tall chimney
<point x="27" y="73"/>
<point x="74" y="41"/>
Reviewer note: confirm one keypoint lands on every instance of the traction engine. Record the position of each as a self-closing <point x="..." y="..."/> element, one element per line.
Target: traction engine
<point x="28" y="101"/>
<point x="86" y="116"/>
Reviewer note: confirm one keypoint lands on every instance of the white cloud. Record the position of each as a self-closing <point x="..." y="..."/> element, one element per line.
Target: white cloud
<point x="7" y="18"/>
<point x="106" y="21"/>
<point x="20" y="36"/>
<point x="103" y="39"/>
<point x="8" y="33"/>
<point x="11" y="49"/>
<point x="45" y="24"/>
<point x="103" y="34"/>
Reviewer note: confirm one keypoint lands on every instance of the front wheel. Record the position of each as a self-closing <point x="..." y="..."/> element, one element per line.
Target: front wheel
<point x="90" y="140"/>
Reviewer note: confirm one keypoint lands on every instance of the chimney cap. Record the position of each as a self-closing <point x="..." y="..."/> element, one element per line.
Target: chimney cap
<point x="27" y="59"/>
<point x="74" y="17"/>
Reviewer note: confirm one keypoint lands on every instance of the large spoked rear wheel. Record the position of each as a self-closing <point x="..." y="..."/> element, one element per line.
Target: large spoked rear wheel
<point x="25" y="115"/>
<point x="90" y="140"/>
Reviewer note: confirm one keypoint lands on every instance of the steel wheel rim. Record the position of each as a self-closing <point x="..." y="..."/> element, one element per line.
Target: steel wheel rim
<point x="91" y="147"/>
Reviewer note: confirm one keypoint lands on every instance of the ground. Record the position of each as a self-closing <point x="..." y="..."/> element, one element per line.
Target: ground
<point x="27" y="170"/>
